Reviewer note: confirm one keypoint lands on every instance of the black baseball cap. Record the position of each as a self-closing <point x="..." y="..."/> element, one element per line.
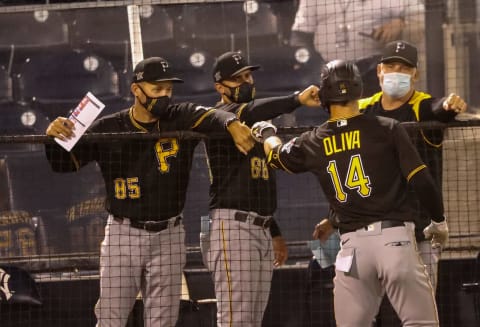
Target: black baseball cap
<point x="400" y="51"/>
<point x="154" y="69"/>
<point x="230" y="64"/>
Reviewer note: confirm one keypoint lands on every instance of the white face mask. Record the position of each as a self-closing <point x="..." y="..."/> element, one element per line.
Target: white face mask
<point x="396" y="85"/>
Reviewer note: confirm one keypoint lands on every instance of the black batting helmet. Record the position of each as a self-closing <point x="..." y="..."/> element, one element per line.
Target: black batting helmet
<point x="340" y="81"/>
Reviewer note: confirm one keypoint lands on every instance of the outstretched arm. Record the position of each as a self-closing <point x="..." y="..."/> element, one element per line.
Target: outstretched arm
<point x="272" y="107"/>
<point x="210" y="120"/>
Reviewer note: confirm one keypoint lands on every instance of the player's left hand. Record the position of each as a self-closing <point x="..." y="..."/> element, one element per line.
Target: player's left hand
<point x="309" y="97"/>
<point x="62" y="128"/>
<point x="323" y="230"/>
<point x="454" y="103"/>
<point x="280" y="250"/>
<point x="437" y="232"/>
<point x="242" y="136"/>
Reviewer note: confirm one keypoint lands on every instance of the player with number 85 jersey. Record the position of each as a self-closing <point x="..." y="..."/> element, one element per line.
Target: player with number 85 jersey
<point x="144" y="178"/>
<point x="146" y="181"/>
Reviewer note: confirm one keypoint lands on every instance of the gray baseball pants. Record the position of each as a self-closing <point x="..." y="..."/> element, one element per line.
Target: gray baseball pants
<point x="133" y="260"/>
<point x="240" y="257"/>
<point x="382" y="262"/>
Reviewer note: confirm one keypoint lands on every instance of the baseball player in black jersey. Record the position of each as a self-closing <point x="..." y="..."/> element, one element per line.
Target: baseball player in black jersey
<point x="239" y="250"/>
<point x="146" y="183"/>
<point x="397" y="73"/>
<point x="369" y="196"/>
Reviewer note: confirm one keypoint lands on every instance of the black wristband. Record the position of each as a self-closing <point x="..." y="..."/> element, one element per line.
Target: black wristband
<point x="296" y="98"/>
<point x="267" y="132"/>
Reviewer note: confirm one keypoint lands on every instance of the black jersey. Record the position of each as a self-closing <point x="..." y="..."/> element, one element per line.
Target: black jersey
<point x="239" y="181"/>
<point x="363" y="164"/>
<point x="144" y="179"/>
<point x="420" y="107"/>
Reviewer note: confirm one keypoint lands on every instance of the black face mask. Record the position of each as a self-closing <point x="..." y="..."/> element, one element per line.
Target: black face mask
<point x="158" y="107"/>
<point x="245" y="92"/>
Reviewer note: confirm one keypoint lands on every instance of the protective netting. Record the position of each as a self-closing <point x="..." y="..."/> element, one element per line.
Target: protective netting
<point x="52" y="224"/>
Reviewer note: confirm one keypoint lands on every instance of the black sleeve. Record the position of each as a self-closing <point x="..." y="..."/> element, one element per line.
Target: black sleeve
<point x="275" y="229"/>
<point x="409" y="159"/>
<point x="59" y="159"/>
<point x="81" y="154"/>
<point x="428" y="194"/>
<point x="432" y="109"/>
<point x="206" y="120"/>
<point x="290" y="156"/>
<point x="268" y="108"/>
<point x="63" y="161"/>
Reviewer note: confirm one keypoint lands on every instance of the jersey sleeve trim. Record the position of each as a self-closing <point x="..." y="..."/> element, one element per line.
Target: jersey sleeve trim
<point x="202" y="118"/>
<point x="416" y="170"/>
<point x="240" y="110"/>
<point x="75" y="161"/>
<point x="273" y="159"/>
<point x="415" y="102"/>
<point x="435" y="145"/>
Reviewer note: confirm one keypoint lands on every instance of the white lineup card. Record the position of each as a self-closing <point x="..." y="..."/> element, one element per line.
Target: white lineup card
<point x="82" y="117"/>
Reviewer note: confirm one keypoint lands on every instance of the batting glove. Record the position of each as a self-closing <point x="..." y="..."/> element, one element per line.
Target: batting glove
<point x="262" y="130"/>
<point x="437" y="232"/>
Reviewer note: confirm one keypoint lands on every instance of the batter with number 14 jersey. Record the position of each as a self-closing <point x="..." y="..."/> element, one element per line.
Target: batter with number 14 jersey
<point x="373" y="213"/>
<point x="363" y="164"/>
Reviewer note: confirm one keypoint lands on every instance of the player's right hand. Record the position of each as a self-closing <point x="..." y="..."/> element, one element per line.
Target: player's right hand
<point x="280" y="251"/>
<point x="323" y="230"/>
<point x="262" y="130"/>
<point x="454" y="103"/>
<point x="437" y="233"/>
<point x="309" y="97"/>
<point x="61" y="128"/>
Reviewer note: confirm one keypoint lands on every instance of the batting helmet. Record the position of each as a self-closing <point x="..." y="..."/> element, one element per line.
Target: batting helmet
<point x="340" y="81"/>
